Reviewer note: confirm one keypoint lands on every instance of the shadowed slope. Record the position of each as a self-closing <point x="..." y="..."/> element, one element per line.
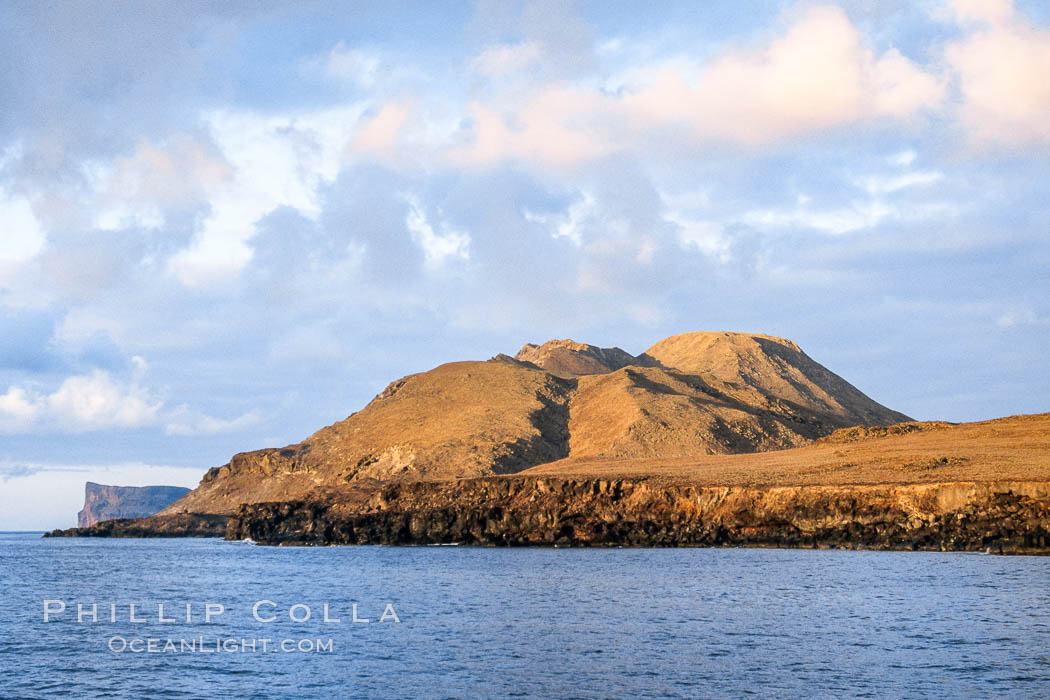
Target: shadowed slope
<point x="458" y="420"/>
<point x="651" y="411"/>
<point x="756" y="365"/>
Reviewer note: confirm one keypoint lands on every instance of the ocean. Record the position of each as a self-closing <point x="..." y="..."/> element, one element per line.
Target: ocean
<point x="217" y="619"/>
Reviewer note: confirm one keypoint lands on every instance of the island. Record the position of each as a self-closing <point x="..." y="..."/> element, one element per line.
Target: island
<point x="704" y="439"/>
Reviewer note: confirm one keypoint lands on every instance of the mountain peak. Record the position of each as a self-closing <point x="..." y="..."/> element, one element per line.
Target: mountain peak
<point x="567" y="358"/>
<point x="771" y="366"/>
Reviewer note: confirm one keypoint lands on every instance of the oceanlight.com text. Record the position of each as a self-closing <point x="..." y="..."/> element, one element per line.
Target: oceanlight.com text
<point x="218" y="645"/>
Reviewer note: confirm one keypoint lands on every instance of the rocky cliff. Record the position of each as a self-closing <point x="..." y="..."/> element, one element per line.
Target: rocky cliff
<point x="1010" y="517"/>
<point x="102" y="502"/>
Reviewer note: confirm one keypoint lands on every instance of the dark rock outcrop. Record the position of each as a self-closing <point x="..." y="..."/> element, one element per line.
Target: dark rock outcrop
<point x="1007" y="517"/>
<point x="102" y="502"/>
<point x="179" y="525"/>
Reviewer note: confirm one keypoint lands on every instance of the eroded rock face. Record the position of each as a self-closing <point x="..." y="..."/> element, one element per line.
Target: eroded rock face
<point x="102" y="502"/>
<point x="964" y="516"/>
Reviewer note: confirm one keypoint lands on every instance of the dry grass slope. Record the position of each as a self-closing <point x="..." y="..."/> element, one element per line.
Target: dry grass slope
<point x="1006" y="449"/>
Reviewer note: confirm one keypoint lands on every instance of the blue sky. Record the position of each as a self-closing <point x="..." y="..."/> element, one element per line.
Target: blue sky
<point x="225" y="225"/>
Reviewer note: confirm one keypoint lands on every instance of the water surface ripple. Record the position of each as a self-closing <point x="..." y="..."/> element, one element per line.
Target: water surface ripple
<point x="481" y="622"/>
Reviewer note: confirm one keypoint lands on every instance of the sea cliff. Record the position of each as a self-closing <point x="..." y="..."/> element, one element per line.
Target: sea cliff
<point x="103" y="502"/>
<point x="1006" y="517"/>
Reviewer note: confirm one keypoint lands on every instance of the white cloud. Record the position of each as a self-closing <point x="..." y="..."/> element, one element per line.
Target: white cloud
<point x="21" y="236"/>
<point x="1002" y="69"/>
<point x="81" y="403"/>
<point x="989" y="11"/>
<point x="277" y="161"/>
<point x="898" y="88"/>
<point x="706" y="236"/>
<point x="437" y="247"/>
<point x="98" y="401"/>
<point x="380" y="135"/>
<point x="855" y="217"/>
<point x="138" y="189"/>
<point x="18" y="410"/>
<point x="560" y="126"/>
<point x="185" y="421"/>
<point x="570" y="225"/>
<point x="818" y="75"/>
<point x="859" y="214"/>
<point x="903" y="159"/>
<point x="887" y="184"/>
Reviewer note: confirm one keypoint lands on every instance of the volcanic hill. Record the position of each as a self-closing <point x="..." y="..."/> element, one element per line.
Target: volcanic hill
<point x="689" y="395"/>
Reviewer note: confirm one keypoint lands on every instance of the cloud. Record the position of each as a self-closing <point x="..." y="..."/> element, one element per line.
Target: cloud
<point x="887" y="184"/>
<point x="98" y="401"/>
<point x="1002" y="69"/>
<point x="277" y="161"/>
<point x="709" y="237"/>
<point x="994" y="12"/>
<point x="379" y="136"/>
<point x="560" y="127"/>
<point x="88" y="402"/>
<point x="855" y="217"/>
<point x="185" y="421"/>
<point x="21" y="236"/>
<point x="903" y="159"/>
<point x="569" y="224"/>
<point x="139" y="189"/>
<point x="818" y="75"/>
<point x="437" y="247"/>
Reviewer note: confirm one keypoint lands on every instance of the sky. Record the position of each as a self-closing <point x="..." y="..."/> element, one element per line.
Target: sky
<point x="224" y="225"/>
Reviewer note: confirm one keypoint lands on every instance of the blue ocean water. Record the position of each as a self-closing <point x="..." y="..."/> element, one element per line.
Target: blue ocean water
<point x="482" y="622"/>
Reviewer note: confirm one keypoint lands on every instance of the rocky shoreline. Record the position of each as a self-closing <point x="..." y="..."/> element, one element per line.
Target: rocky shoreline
<point x="178" y="525"/>
<point x="1000" y="517"/>
<point x="1009" y="517"/>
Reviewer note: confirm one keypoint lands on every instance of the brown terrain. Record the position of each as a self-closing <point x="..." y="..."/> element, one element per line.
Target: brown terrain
<point x="705" y="438"/>
<point x="1015" y="448"/>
